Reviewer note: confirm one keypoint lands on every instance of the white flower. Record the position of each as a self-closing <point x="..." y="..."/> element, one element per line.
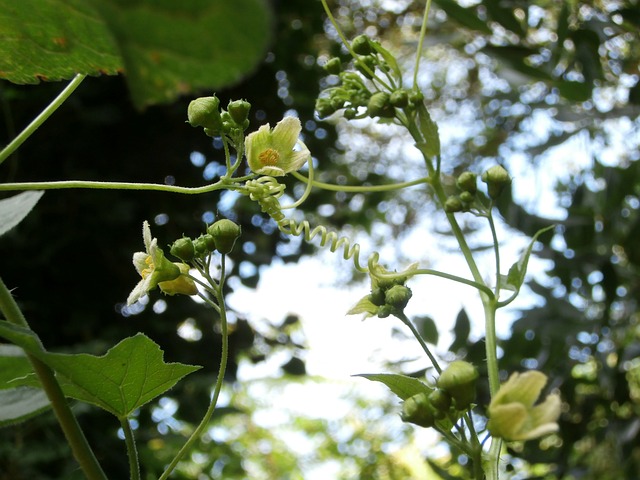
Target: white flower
<point x="270" y="151"/>
<point x="512" y="414"/>
<point x="152" y="266"/>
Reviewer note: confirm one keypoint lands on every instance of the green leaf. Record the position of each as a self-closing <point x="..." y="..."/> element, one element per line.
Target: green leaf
<point x="388" y="58"/>
<point x="403" y="386"/>
<point x="53" y="40"/>
<point x="165" y="48"/>
<point x="14" y="209"/>
<point x="20" y="404"/>
<point x="516" y="58"/>
<point x="517" y="272"/>
<point x="129" y="375"/>
<point x="461" y="331"/>
<point x="429" y="130"/>
<point x="428" y="329"/>
<point x="172" y="48"/>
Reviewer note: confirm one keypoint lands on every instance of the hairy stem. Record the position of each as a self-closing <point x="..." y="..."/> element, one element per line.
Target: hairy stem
<point x="132" y="450"/>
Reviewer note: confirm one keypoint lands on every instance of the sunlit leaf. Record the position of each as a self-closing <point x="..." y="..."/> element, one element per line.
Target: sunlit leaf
<point x="14" y="209"/>
<point x="403" y="386"/>
<point x="464" y="16"/>
<point x="21" y="403"/>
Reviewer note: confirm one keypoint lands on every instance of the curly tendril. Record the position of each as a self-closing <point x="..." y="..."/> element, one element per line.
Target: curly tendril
<point x="266" y="191"/>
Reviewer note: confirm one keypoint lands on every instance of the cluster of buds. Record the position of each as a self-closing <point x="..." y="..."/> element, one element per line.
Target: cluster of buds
<point x="206" y="112"/>
<point x="221" y="237"/>
<point x="389" y="294"/>
<point x="454" y="394"/>
<point x="496" y="178"/>
<point x="358" y="97"/>
<point x="173" y="278"/>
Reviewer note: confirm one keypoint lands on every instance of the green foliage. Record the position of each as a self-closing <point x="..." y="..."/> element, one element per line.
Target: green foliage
<point x="164" y="49"/>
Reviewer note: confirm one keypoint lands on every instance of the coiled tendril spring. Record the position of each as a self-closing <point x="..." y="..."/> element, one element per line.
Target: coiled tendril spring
<point x="266" y="191"/>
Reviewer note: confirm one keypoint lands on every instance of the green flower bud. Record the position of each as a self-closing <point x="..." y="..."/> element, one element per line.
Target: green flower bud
<point x="440" y="400"/>
<point x="379" y="106"/>
<point x="467" y="198"/>
<point x="398" y="296"/>
<point x="416" y="97"/>
<point x="324" y="107"/>
<point x="183" y="249"/>
<point x="361" y="45"/>
<point x="399" y="98"/>
<point x="453" y="204"/>
<point x="459" y="381"/>
<point x="377" y="297"/>
<point x="384" y="311"/>
<point x="225" y="233"/>
<point x="496" y="178"/>
<point x="183" y="285"/>
<point x="204" y="112"/>
<point x="239" y="111"/>
<point x="350" y="113"/>
<point x="467" y="182"/>
<point x="204" y="245"/>
<point x="333" y="66"/>
<point x="418" y="410"/>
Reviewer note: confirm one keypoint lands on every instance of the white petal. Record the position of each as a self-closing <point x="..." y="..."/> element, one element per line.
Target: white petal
<point x="285" y="134"/>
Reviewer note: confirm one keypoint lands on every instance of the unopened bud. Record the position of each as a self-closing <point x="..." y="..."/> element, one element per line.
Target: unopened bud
<point x="333" y="66"/>
<point x="459" y="381"/>
<point x="496" y="178"/>
<point x="467" y="182"/>
<point x="379" y="106"/>
<point x="183" y="249"/>
<point x="225" y="233"/>
<point x="453" y="204"/>
<point x="397" y="296"/>
<point x="239" y="111"/>
<point x="418" y="410"/>
<point x="361" y="45"/>
<point x="204" y="112"/>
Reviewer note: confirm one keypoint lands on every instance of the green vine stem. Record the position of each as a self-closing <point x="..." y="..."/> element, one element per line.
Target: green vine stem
<point x="218" y="290"/>
<point x="68" y="422"/>
<point x="41" y="118"/>
<point x="132" y="450"/>
<point x="404" y="319"/>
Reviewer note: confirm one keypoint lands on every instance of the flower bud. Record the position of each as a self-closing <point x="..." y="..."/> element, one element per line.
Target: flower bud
<point x="183" y="285"/>
<point x="416" y="97"/>
<point x="379" y="106"/>
<point x="384" y="311"/>
<point x="440" y="400"/>
<point x="467" y="198"/>
<point x="333" y="66"/>
<point x="496" y="178"/>
<point x="225" y="233"/>
<point x="204" y="245"/>
<point x="183" y="249"/>
<point x="361" y="45"/>
<point x="204" y="112"/>
<point x="467" y="182"/>
<point x="398" y="296"/>
<point x="453" y="204"/>
<point x="418" y="410"/>
<point x="459" y="381"/>
<point x="399" y="98"/>
<point x="324" y="107"/>
<point x="239" y="111"/>
<point x="377" y="297"/>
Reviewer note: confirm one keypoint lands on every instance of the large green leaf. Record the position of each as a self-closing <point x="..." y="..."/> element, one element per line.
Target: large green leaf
<point x="129" y="375"/>
<point x="165" y="48"/>
<point x="54" y="40"/>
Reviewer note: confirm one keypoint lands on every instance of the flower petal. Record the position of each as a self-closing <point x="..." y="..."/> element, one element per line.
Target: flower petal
<point x="146" y="235"/>
<point x="295" y="160"/>
<point x="140" y="261"/>
<point x="256" y="143"/>
<point x="285" y="134"/>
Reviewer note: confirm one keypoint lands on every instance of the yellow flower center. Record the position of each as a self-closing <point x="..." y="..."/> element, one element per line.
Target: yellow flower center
<point x="269" y="157"/>
<point x="148" y="271"/>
